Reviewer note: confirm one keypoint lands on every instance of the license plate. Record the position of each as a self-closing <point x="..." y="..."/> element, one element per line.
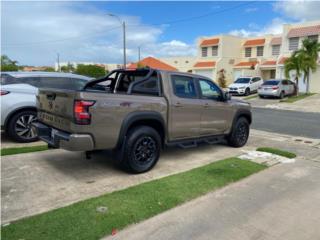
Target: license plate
<point x="53" y="132"/>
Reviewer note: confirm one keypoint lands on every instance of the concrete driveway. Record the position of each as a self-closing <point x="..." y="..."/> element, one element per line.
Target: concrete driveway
<point x="281" y="202"/>
<point x="37" y="182"/>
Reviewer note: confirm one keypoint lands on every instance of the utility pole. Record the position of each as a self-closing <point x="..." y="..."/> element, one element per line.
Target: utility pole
<point x="58" y="61"/>
<point x="124" y="45"/>
<point x="139" y="54"/>
<point x="123" y="23"/>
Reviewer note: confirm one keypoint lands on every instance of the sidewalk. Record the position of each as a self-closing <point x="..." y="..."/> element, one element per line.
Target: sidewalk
<point x="281" y="202"/>
<point x="308" y="104"/>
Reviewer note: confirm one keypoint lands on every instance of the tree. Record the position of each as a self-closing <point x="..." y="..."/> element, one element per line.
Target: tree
<point x="69" y="68"/>
<point x="49" y="69"/>
<point x="309" y="54"/>
<point x="7" y="64"/>
<point x="222" y="79"/>
<point x="90" y="70"/>
<point x="293" y="63"/>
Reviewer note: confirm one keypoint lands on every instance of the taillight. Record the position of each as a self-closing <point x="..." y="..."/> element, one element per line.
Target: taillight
<point x="275" y="87"/>
<point x="81" y="111"/>
<point x="3" y="92"/>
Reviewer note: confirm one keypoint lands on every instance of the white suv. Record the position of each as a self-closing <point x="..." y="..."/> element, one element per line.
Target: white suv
<point x="245" y="85"/>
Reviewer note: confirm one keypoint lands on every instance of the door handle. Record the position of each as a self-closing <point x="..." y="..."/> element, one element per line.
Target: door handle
<point x="177" y="105"/>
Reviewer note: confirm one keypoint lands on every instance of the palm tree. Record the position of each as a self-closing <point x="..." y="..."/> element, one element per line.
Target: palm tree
<point x="293" y="63"/>
<point x="309" y="56"/>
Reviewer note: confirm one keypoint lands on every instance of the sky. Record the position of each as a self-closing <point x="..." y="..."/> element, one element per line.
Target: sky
<point x="34" y="32"/>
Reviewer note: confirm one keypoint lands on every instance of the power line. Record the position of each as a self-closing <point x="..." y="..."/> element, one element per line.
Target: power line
<point x="133" y="25"/>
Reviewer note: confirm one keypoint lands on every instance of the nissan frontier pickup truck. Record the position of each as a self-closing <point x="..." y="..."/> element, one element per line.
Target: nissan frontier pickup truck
<point x="138" y="112"/>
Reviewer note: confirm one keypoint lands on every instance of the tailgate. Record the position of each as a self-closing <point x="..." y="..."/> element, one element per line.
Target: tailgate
<point x="55" y="107"/>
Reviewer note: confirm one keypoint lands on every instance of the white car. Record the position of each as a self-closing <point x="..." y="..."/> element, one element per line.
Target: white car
<point x="18" y="99"/>
<point x="245" y="85"/>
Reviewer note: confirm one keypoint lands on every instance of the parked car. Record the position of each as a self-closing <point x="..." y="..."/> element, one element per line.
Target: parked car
<point x="18" y="99"/>
<point x="245" y="85"/>
<point x="137" y="112"/>
<point x="277" y="88"/>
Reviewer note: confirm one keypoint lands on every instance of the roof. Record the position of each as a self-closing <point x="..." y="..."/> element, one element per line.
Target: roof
<point x="276" y="41"/>
<point x="270" y="62"/>
<point x="246" y="64"/>
<point x="152" y="63"/>
<point x="210" y="42"/>
<point x="282" y="60"/>
<point x="209" y="64"/>
<point x="304" y="31"/>
<point x="46" y="74"/>
<point x="255" y="42"/>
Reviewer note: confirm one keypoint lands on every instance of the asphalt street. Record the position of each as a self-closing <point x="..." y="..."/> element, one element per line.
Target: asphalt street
<point x="287" y="122"/>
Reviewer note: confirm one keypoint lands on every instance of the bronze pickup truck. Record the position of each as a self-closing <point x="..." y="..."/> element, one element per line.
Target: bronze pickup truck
<point x="138" y="112"/>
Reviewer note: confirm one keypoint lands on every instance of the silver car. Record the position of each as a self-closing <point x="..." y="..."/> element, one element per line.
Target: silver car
<point x="277" y="88"/>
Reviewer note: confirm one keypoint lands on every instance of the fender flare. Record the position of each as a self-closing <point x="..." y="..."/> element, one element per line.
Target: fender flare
<point x="241" y="113"/>
<point x="134" y="117"/>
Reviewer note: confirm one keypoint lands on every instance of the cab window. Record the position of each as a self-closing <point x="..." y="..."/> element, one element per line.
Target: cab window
<point x="183" y="86"/>
<point x="209" y="90"/>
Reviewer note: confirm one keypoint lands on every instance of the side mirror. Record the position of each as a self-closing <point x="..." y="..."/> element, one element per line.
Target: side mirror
<point x="227" y="96"/>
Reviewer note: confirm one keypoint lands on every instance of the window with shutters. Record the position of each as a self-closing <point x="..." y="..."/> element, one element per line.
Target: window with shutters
<point x="215" y="51"/>
<point x="204" y="51"/>
<point x="275" y="50"/>
<point x="313" y="38"/>
<point x="260" y="51"/>
<point x="293" y="43"/>
<point x="248" y="52"/>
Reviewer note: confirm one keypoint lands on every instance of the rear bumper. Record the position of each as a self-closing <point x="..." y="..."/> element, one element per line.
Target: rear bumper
<point x="274" y="93"/>
<point x="60" y="139"/>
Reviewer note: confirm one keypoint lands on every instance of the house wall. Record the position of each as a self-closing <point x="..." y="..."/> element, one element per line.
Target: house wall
<point x="183" y="64"/>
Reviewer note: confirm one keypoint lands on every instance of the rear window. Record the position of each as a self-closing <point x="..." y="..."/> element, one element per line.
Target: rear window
<point x="242" y="80"/>
<point x="270" y="83"/>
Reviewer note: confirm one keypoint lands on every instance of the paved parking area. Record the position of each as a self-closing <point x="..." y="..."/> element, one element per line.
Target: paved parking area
<point x="8" y="143"/>
<point x="37" y="182"/>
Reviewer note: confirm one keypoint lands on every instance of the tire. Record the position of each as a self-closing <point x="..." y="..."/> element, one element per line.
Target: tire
<point x="19" y="127"/>
<point x="281" y="95"/>
<point x="247" y="92"/>
<point x="240" y="133"/>
<point x="142" y="150"/>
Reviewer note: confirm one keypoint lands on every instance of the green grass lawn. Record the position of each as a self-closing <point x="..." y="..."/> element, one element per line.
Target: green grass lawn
<point x="18" y="150"/>
<point x="131" y="205"/>
<point x="293" y="99"/>
<point x="277" y="152"/>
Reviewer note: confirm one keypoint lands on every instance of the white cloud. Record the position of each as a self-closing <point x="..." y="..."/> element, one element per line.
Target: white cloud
<point x="299" y="10"/>
<point x="275" y="27"/>
<point x="77" y="34"/>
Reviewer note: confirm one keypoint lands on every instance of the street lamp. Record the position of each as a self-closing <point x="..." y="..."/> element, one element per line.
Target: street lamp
<point x="123" y="23"/>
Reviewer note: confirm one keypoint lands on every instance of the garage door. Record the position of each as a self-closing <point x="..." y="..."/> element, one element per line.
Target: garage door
<point x="236" y="74"/>
<point x="205" y="73"/>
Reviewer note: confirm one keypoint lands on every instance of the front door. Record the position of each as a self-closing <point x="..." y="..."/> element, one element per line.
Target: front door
<point x="184" y="108"/>
<point x="216" y="115"/>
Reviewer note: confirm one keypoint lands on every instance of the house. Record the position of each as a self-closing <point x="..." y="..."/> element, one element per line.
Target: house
<point x="264" y="55"/>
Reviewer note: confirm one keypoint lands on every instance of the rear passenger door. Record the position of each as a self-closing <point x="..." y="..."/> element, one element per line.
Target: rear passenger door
<point x="184" y="108"/>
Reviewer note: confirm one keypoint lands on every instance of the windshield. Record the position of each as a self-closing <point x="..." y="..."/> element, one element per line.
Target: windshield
<point x="242" y="80"/>
<point x="271" y="83"/>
